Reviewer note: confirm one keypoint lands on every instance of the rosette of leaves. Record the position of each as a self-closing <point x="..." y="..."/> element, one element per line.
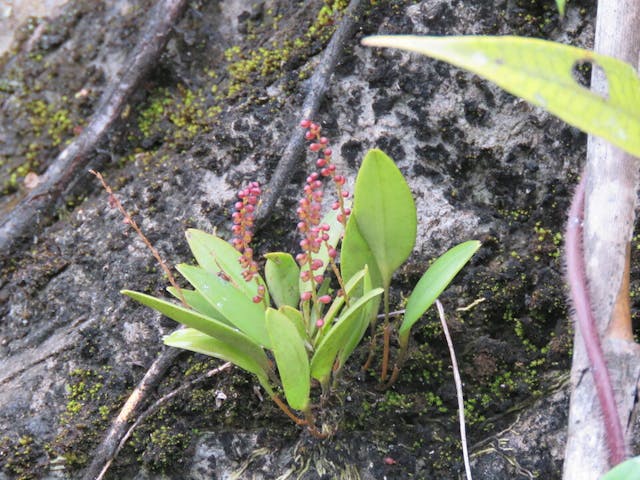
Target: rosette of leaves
<point x="223" y="320"/>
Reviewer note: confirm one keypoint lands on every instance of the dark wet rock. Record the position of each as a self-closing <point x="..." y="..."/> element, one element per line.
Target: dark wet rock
<point x="216" y="113"/>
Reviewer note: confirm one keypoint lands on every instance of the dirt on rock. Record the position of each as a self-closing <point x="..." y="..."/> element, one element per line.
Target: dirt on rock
<point x="215" y="113"/>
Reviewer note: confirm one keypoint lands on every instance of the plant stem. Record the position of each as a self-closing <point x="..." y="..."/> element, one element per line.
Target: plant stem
<point x="458" y="382"/>
<point x="283" y="406"/>
<point x="586" y="323"/>
<point x="386" y="337"/>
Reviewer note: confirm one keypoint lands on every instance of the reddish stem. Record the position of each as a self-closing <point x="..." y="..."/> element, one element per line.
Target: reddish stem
<point x="576" y="273"/>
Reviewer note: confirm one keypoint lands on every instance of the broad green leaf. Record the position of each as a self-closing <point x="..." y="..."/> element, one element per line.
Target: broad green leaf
<point x="369" y="310"/>
<point x="291" y="359"/>
<point x="629" y="470"/>
<point x="198" y="303"/>
<point x="234" y="305"/>
<point x="325" y="356"/>
<point x="282" y="274"/>
<point x="297" y="319"/>
<point x="437" y="277"/>
<point x="540" y="71"/>
<point x="355" y="254"/>
<point x="335" y="232"/>
<point x="354" y="290"/>
<point x="196" y="341"/>
<point x="385" y="212"/>
<point x="216" y="255"/>
<point x="209" y="326"/>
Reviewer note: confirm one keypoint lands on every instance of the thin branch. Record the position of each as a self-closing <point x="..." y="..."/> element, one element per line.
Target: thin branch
<point x="458" y="382"/>
<point x="129" y="219"/>
<point x="318" y="85"/>
<point x="33" y="211"/>
<point x="153" y="408"/>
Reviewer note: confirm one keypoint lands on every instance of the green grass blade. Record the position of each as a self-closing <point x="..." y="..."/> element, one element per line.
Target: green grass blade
<point x="291" y="359"/>
<point x="282" y="274"/>
<point x="234" y="305"/>
<point x="437" y="277"/>
<point x="540" y="71"/>
<point x="385" y="212"/>
<point x="204" y="324"/>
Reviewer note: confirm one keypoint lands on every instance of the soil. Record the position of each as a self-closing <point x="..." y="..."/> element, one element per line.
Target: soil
<point x="216" y="113"/>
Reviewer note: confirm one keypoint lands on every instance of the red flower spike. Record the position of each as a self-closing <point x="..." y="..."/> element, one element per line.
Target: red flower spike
<point x="243" y="220"/>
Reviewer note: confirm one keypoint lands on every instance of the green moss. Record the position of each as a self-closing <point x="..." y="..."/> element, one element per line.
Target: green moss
<point x="19" y="456"/>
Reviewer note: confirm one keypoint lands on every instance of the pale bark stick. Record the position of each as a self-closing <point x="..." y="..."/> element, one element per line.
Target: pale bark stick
<point x="611" y="190"/>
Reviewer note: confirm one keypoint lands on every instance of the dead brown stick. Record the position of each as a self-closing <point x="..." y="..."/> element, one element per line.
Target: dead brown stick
<point x="33" y="212"/>
<point x="153" y="408"/>
<point x="318" y="85"/>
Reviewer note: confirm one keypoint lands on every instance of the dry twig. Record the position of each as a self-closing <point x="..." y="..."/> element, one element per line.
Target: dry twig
<point x="458" y="382"/>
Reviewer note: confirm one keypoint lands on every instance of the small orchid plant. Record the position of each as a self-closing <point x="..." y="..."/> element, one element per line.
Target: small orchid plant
<point x="294" y="315"/>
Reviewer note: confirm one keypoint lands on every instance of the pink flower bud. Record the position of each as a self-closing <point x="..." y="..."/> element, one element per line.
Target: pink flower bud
<point x="321" y="162"/>
<point x="305" y="296"/>
<point x="305" y="123"/>
<point x="257" y="299"/>
<point x="320" y="322"/>
<point x="309" y="135"/>
<point x="318" y="278"/>
<point x="324" y="140"/>
<point x="327" y="152"/>
<point x="324" y="299"/>
<point x="332" y="252"/>
<point x="315" y="147"/>
<point x="316" y="264"/>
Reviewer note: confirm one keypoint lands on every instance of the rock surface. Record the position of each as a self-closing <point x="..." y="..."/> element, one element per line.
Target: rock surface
<point x="216" y="113"/>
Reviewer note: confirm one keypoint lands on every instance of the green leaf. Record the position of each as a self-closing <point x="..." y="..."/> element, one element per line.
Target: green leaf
<point x="385" y="212"/>
<point x="325" y="356"/>
<point x="355" y="254"/>
<point x="437" y="277"/>
<point x="234" y="305"/>
<point x="196" y="341"/>
<point x="291" y="359"/>
<point x="216" y="255"/>
<point x="540" y="71"/>
<point x="209" y="326"/>
<point x="629" y="470"/>
<point x="282" y="274"/>
<point x="297" y="319"/>
<point x="561" y="4"/>
<point x="198" y="303"/>
<point x="369" y="310"/>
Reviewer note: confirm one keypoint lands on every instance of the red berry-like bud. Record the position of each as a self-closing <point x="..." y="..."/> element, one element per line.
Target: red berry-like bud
<point x="327" y="152"/>
<point x="324" y="299"/>
<point x="316" y="264"/>
<point x="325" y="172"/>
<point x="332" y="252"/>
<point x="345" y="194"/>
<point x="257" y="299"/>
<point x="305" y="123"/>
<point x="320" y="322"/>
<point x="314" y="126"/>
<point x="315" y="147"/>
<point x="318" y="278"/>
<point x="335" y="205"/>
<point x="309" y="135"/>
<point x="324" y="140"/>
<point x="305" y="296"/>
<point x="321" y="162"/>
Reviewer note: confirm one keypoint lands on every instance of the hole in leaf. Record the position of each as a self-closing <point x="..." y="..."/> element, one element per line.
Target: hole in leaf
<point x="582" y="73"/>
